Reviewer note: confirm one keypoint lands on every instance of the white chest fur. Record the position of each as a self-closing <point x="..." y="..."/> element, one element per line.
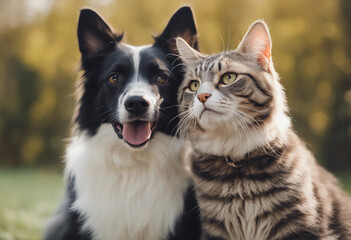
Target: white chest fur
<point x="126" y="194"/>
<point x="246" y="212"/>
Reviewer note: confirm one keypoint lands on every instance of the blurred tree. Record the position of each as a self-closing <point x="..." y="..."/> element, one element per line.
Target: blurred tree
<point x="15" y="107"/>
<point x="337" y="146"/>
<point x="39" y="59"/>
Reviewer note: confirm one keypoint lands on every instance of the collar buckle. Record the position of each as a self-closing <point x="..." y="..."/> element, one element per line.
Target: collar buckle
<point x="231" y="163"/>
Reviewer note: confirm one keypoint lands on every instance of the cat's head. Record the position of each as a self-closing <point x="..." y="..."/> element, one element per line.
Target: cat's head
<point x="235" y="93"/>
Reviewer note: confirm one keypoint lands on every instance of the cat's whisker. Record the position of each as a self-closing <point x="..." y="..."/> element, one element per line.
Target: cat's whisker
<point x="245" y="115"/>
<point x="233" y="119"/>
<point x="223" y="44"/>
<point x="176" y="105"/>
<point x="256" y="127"/>
<point x="243" y="126"/>
<point x="237" y="122"/>
<point x="182" y="118"/>
<point x="177" y="116"/>
<point x="183" y="125"/>
<point x="228" y="40"/>
<point x="178" y="65"/>
<point x="252" y="109"/>
<point x="162" y="116"/>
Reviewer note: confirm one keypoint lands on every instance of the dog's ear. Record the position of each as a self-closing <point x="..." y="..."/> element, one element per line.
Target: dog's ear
<point x="182" y="24"/>
<point x="94" y="35"/>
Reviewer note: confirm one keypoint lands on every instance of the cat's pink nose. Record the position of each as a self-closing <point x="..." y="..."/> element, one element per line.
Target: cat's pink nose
<point x="203" y="97"/>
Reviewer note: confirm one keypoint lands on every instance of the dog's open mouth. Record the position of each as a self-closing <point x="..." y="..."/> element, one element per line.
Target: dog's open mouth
<point x="136" y="133"/>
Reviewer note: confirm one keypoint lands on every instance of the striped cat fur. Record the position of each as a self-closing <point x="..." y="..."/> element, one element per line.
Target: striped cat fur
<point x="255" y="179"/>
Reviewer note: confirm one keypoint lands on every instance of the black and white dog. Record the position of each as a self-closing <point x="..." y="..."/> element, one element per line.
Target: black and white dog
<point x="123" y="164"/>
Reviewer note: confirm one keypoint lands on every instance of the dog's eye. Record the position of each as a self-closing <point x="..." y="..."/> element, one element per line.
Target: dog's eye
<point x="113" y="78"/>
<point x="162" y="79"/>
<point x="194" y="85"/>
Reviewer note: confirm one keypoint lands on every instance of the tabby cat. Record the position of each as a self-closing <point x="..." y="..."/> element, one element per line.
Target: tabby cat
<point x="255" y="179"/>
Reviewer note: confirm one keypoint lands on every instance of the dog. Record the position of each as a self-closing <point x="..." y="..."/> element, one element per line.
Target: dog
<point x="124" y="174"/>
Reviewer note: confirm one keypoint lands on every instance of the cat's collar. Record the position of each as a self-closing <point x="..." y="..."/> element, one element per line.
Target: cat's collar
<point x="232" y="163"/>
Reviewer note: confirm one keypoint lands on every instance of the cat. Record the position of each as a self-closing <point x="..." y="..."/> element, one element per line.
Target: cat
<point x="254" y="177"/>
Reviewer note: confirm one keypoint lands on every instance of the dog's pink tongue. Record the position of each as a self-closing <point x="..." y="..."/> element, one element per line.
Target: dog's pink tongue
<point x="136" y="133"/>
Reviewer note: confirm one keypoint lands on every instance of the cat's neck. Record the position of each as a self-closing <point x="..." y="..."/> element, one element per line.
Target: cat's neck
<point x="237" y="144"/>
<point x="259" y="158"/>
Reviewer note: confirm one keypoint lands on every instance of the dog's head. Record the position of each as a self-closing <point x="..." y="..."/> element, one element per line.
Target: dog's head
<point x="132" y="88"/>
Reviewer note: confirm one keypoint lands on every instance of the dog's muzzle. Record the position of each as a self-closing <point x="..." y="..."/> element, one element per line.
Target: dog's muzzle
<point x="137" y="130"/>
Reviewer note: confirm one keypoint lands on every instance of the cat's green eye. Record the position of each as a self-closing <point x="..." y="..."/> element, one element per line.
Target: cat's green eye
<point x="194" y="85"/>
<point x="228" y="78"/>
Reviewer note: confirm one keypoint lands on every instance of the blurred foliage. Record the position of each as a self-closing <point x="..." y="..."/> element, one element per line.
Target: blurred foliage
<point x="39" y="62"/>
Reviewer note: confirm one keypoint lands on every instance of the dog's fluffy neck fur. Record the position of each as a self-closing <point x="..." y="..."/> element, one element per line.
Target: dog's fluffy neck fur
<point x="115" y="185"/>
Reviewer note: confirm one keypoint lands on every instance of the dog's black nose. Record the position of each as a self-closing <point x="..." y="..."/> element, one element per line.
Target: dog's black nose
<point x="136" y="105"/>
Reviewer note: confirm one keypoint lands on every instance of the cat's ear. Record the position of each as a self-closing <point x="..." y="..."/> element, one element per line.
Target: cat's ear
<point x="94" y="35"/>
<point x="257" y="42"/>
<point x="181" y="24"/>
<point x="187" y="53"/>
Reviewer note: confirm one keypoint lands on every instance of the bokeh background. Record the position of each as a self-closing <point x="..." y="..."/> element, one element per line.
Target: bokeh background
<point x="39" y="63"/>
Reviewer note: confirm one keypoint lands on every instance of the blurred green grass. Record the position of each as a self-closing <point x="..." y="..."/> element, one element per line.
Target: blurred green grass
<point x="29" y="196"/>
